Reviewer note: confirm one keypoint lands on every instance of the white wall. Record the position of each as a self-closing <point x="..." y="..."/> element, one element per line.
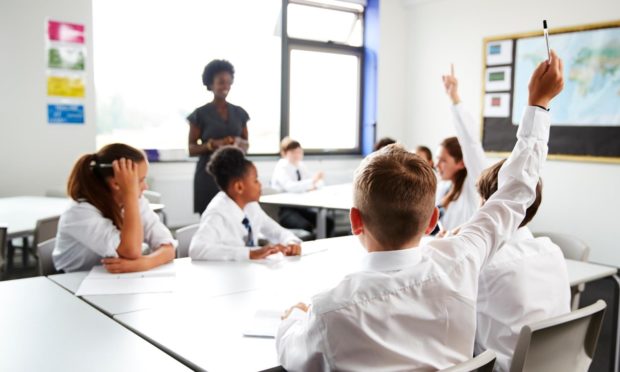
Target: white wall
<point x="35" y="156"/>
<point x="579" y="198"/>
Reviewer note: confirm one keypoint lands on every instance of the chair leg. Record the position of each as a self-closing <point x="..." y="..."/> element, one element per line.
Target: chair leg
<point x="10" y="252"/>
<point x="25" y="252"/>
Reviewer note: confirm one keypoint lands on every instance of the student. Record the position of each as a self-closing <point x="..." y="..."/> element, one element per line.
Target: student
<point x="461" y="160"/>
<point x="385" y="141"/>
<point x="110" y="218"/>
<point x="426" y="154"/>
<point x="233" y="221"/>
<point x="510" y="294"/>
<point x="291" y="175"/>
<point x="414" y="308"/>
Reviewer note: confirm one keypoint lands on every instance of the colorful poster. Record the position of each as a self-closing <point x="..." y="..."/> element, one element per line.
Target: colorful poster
<point x="65" y="114"/>
<point x="64" y="31"/>
<point x="66" y="57"/>
<point x="66" y="72"/>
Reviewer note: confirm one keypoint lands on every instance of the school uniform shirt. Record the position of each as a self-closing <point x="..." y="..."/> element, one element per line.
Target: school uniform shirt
<point x="290" y="178"/>
<point x="223" y="236"/>
<point x="415" y="309"/>
<point x="84" y="236"/>
<point x="525" y="282"/>
<point x="460" y="210"/>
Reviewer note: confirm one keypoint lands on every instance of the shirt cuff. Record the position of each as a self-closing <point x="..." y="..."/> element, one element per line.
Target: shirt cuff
<point x="535" y="123"/>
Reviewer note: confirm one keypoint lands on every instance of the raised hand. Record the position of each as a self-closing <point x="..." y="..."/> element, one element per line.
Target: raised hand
<point x="451" y="84"/>
<point x="547" y="81"/>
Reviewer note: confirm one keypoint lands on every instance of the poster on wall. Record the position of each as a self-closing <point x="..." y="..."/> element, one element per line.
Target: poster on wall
<point x="65" y="53"/>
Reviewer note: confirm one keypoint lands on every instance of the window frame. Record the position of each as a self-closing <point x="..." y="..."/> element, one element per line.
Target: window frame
<point x="288" y="45"/>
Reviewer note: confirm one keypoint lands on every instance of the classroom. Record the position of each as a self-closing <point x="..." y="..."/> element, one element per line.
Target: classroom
<point x="268" y="114"/>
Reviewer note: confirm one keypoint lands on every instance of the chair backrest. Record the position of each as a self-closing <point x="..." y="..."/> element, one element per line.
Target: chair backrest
<point x="572" y="247"/>
<point x="484" y="362"/>
<point x="184" y="236"/>
<point x="44" y="251"/>
<point x="563" y="343"/>
<point x="45" y="229"/>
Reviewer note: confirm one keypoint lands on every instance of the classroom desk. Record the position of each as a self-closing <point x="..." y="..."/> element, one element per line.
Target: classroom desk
<point x="583" y="272"/>
<point x="214" y="300"/>
<point x="21" y="213"/>
<point x="45" y="328"/>
<point x="329" y="197"/>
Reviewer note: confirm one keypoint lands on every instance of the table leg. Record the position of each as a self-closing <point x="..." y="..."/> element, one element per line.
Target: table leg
<point x="321" y="223"/>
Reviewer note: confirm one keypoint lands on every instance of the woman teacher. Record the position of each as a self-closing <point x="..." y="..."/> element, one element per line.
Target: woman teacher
<point x="216" y="124"/>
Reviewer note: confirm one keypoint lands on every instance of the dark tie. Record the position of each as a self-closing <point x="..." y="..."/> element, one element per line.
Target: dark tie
<point x="249" y="242"/>
<point x="298" y="174"/>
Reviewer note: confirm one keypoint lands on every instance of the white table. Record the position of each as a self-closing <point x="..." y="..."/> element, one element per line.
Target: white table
<point x="338" y="197"/>
<point x="21" y="213"/>
<point x="201" y="323"/>
<point x="45" y="328"/>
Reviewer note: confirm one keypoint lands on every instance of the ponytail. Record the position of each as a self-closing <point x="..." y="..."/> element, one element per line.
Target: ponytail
<point x="87" y="181"/>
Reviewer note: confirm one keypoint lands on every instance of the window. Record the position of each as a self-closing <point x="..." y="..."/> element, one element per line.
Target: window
<point x="322" y="74"/>
<point x="149" y="58"/>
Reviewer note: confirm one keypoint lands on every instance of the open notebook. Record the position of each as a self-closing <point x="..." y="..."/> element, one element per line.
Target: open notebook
<point x="101" y="282"/>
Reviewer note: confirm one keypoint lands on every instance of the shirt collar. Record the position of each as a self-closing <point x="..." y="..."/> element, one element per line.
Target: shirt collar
<point x="391" y="260"/>
<point x="236" y="213"/>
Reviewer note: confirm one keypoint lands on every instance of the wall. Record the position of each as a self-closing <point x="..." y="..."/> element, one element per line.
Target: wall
<point x="579" y="198"/>
<point x="35" y="156"/>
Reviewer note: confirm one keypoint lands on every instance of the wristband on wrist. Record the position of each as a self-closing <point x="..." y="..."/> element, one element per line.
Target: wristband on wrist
<point x="544" y="108"/>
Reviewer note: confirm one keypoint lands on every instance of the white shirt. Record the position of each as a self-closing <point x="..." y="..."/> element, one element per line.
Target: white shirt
<point x="84" y="236"/>
<point x="460" y="210"/>
<point x="526" y="281"/>
<point x="415" y="309"/>
<point x="222" y="234"/>
<point x="284" y="178"/>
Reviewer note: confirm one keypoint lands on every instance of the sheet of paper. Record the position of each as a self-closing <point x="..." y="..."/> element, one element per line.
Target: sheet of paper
<point x="264" y="324"/>
<point x="100" y="282"/>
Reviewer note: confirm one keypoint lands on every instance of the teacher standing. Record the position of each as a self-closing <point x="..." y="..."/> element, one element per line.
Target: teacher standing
<point x="216" y="124"/>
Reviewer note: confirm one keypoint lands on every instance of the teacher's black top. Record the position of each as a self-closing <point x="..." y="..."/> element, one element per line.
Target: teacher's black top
<point x="212" y="126"/>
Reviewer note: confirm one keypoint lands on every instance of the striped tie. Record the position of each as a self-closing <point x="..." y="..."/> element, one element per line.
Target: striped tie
<point x="249" y="242"/>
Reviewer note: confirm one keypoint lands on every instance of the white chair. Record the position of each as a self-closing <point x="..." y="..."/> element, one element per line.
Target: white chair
<point x="484" y="362"/>
<point x="44" y="251"/>
<point x="184" y="236"/>
<point x="564" y="343"/>
<point x="572" y="248"/>
<point x="154" y="197"/>
<point x="45" y="229"/>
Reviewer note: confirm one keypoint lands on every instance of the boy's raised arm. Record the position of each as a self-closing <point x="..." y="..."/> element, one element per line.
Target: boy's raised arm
<point x="504" y="211"/>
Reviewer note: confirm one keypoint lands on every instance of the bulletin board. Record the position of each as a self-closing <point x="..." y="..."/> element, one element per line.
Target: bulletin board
<point x="585" y="117"/>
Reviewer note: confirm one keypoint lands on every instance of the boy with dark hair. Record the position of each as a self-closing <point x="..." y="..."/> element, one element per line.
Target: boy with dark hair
<point x="414" y="308"/>
<point x="233" y="221"/>
<point x="510" y="294"/>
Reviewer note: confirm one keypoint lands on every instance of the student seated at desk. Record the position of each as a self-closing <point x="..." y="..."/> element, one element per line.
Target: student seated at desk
<point x="414" y="308"/>
<point x="110" y="218"/>
<point x="510" y="294"/>
<point x="233" y="221"/>
<point x="291" y="175"/>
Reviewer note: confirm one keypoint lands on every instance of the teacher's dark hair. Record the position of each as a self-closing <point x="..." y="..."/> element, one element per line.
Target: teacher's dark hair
<point x="228" y="164"/>
<point x="215" y="67"/>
